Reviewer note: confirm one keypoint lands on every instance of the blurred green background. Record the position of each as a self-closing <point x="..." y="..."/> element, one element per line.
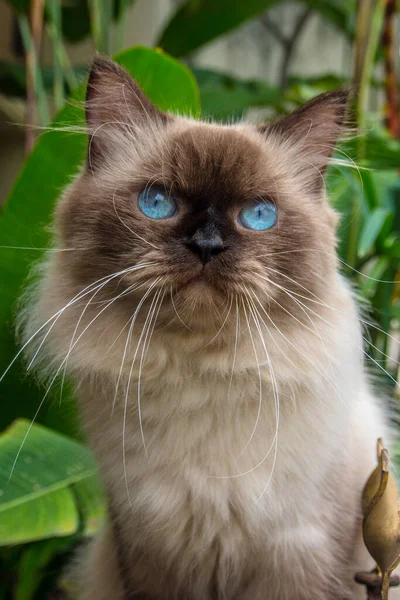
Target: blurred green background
<point x="215" y="58"/>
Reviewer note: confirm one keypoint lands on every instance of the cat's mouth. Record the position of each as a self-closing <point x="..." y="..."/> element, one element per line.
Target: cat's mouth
<point x="205" y="282"/>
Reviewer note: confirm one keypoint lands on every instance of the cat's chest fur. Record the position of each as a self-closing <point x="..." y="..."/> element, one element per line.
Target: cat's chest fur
<point x="201" y="461"/>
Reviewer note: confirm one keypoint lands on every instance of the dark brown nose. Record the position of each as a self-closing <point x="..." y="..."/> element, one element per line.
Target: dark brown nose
<point x="206" y="242"/>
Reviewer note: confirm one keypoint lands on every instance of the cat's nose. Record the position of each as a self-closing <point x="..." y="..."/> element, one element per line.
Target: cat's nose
<point x="206" y="243"/>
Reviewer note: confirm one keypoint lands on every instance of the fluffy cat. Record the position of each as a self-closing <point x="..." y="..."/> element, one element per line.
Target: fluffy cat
<point x="216" y="353"/>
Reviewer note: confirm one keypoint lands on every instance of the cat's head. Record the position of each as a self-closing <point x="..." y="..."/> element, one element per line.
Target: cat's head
<point x="200" y="213"/>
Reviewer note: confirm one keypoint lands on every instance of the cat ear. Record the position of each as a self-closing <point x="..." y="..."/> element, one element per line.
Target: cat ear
<point x="310" y="134"/>
<point x="115" y="106"/>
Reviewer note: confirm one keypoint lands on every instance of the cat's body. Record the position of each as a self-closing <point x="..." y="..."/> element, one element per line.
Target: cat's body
<point x="249" y="537"/>
<point x="232" y="421"/>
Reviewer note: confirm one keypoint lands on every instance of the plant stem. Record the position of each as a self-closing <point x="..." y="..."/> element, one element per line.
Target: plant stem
<point x="121" y="26"/>
<point x="69" y="72"/>
<point x="369" y="28"/>
<point x="101" y="12"/>
<point x="354" y="230"/>
<point x="55" y="33"/>
<point x="389" y="49"/>
<point x="95" y="23"/>
<point x="36" y="94"/>
<point x="368" y="31"/>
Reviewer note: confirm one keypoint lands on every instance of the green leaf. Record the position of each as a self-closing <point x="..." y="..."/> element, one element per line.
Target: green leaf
<point x="90" y="500"/>
<point x="391" y="246"/>
<point x="199" y="21"/>
<point x="33" y="566"/>
<point x="369" y="284"/>
<point x="53" y="515"/>
<point x="372" y="228"/>
<point x="168" y="83"/>
<point x="223" y="96"/>
<point x="37" y="468"/>
<point x="381" y="152"/>
<point x="369" y="191"/>
<point x="25" y="218"/>
<point x="345" y="196"/>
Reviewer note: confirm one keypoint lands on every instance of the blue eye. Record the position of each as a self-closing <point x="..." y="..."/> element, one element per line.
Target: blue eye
<point x="156" y="203"/>
<point x="258" y="215"/>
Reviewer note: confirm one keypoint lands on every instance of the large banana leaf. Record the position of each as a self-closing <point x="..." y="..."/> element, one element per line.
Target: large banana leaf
<point x="199" y="21"/>
<point x="25" y="218"/>
<point x="48" y="485"/>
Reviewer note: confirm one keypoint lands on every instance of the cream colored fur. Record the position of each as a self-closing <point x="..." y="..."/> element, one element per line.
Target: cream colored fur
<point x="236" y="473"/>
<point x="265" y="520"/>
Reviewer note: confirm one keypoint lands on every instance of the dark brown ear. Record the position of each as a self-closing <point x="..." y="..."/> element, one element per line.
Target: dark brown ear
<point x="311" y="133"/>
<point x="115" y="105"/>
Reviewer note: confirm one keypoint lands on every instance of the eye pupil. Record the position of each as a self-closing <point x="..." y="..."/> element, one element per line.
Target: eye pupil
<point x="157" y="203"/>
<point x="258" y="215"/>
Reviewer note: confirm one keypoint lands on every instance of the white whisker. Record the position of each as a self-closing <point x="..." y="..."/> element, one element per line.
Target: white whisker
<point x="76" y="298"/>
<point x="128" y="386"/>
<point x="222" y="326"/>
<point x="56" y="375"/>
<point x="176" y="312"/>
<point x="259" y="380"/>
<point x="145" y="347"/>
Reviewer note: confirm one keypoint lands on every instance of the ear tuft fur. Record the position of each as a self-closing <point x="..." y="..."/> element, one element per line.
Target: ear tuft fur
<point x="312" y="132"/>
<point x="114" y="103"/>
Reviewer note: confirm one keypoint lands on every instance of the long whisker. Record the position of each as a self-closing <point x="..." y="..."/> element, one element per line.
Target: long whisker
<point x="128" y="290"/>
<point x="124" y="272"/>
<point x="322" y="303"/>
<point x="87" y="290"/>
<point x="131" y="320"/>
<point x="331" y="383"/>
<point x="323" y="375"/>
<point x="128" y="387"/>
<point x="330" y="325"/>
<point x="73" y="335"/>
<point x="273" y="444"/>
<point x="55" y="376"/>
<point x="259" y="380"/>
<point x="275" y="327"/>
<point x="145" y="348"/>
<point x="111" y="346"/>
<point x="176" y="312"/>
<point x="228" y="312"/>
<point x="39" y="249"/>
<point x="277" y="406"/>
<point x="235" y="348"/>
<point x="279" y="253"/>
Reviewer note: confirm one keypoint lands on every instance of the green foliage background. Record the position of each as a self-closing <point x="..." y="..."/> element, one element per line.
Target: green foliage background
<point x="50" y="498"/>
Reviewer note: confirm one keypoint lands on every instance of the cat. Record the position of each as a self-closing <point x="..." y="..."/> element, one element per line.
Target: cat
<point x="216" y="352"/>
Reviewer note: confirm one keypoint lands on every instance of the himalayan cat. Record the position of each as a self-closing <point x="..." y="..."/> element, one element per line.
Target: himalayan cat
<point x="216" y="353"/>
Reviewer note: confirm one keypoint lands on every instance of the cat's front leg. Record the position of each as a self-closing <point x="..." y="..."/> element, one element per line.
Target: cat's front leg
<point x="98" y="574"/>
<point x="106" y="573"/>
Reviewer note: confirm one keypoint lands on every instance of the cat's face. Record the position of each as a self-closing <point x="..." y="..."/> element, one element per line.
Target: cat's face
<point x="209" y="213"/>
